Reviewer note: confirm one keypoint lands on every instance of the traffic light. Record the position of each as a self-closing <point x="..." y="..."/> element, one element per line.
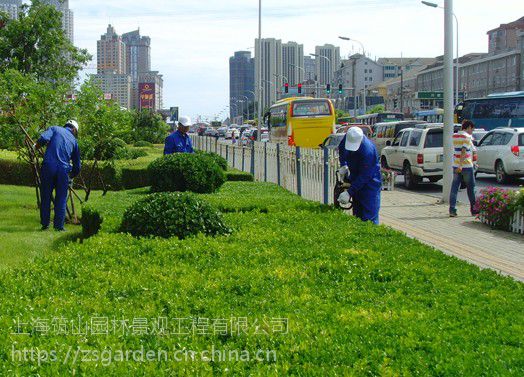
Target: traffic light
<point x="299" y="88"/>
<point x="286" y="87"/>
<point x="340" y="89"/>
<point x="328" y="88"/>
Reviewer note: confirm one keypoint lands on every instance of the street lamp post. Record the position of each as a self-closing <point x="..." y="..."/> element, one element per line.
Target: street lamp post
<point x="302" y="68"/>
<point x="364" y="101"/>
<point x="259" y="52"/>
<point x="247" y="102"/>
<point x="329" y="64"/>
<point x="457" y="64"/>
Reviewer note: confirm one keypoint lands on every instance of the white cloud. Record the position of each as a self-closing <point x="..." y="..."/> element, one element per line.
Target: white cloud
<point x="193" y="40"/>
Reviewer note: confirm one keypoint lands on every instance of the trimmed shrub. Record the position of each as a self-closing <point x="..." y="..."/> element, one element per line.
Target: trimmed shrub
<point x="143" y="143"/>
<point x="186" y="172"/>
<point x="237" y="175"/>
<point x="221" y="161"/>
<point x="172" y="215"/>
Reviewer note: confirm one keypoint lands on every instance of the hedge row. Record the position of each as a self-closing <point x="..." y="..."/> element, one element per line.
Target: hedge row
<point x="118" y="177"/>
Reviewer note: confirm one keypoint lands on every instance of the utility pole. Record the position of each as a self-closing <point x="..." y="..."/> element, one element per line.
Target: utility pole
<point x="401" y="84"/>
<point x="448" y="100"/>
<point x="259" y="123"/>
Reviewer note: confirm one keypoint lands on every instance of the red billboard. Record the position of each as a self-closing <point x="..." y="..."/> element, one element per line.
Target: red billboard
<point x="146" y="92"/>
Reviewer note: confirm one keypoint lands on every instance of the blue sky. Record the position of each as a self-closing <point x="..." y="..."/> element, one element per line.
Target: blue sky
<point x="193" y="40"/>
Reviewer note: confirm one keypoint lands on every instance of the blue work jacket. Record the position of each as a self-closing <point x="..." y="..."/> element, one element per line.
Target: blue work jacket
<point x="62" y="148"/>
<point x="364" y="167"/>
<point x="178" y="143"/>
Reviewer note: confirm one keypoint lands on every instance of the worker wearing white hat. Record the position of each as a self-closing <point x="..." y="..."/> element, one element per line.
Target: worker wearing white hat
<point x="359" y="158"/>
<point x="179" y="141"/>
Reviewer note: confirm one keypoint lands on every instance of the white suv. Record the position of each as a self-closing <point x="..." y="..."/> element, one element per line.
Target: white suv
<point x="501" y="152"/>
<point x="417" y="152"/>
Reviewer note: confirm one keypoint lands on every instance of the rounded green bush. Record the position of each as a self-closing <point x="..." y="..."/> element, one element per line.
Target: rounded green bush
<point x="221" y="161"/>
<point x="186" y="172"/>
<point x="173" y="214"/>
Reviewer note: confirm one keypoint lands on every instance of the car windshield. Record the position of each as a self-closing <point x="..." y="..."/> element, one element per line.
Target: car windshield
<point x="521" y="140"/>
<point x="434" y="139"/>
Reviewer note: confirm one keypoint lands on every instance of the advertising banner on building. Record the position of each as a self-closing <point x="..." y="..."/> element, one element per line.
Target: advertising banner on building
<point x="147" y="95"/>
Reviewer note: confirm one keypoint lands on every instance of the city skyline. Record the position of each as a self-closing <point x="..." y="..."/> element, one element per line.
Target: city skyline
<point x="199" y="83"/>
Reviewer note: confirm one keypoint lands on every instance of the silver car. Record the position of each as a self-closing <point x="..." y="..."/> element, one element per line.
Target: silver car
<point x="501" y="152"/>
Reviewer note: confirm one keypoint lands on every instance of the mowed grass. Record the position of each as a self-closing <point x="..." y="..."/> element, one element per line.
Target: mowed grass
<point x="360" y="300"/>
<point x="21" y="239"/>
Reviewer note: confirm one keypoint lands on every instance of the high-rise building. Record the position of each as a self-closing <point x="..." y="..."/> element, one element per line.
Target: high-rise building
<point x="293" y="62"/>
<point x="138" y="60"/>
<point x="67" y="16"/>
<point x="11" y="7"/>
<point x="270" y="65"/>
<point x="116" y="87"/>
<point x="111" y="53"/>
<point x="150" y="91"/>
<point x="327" y="62"/>
<point x="112" y="69"/>
<point x="309" y="68"/>
<point x="241" y="83"/>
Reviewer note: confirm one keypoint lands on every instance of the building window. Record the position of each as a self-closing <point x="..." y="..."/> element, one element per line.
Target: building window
<point x="365" y="71"/>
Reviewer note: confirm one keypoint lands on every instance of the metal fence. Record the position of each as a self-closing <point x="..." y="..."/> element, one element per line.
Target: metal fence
<point x="309" y="173"/>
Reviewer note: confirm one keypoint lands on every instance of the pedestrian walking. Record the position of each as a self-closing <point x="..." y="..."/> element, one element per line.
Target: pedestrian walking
<point x="57" y="172"/>
<point x="179" y="141"/>
<point x="359" y="158"/>
<point x="463" y="169"/>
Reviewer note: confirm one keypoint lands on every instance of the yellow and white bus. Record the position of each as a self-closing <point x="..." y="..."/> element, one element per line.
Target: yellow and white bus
<point x="301" y="121"/>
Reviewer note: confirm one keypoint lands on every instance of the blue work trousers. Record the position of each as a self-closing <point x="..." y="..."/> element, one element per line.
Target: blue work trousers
<point x="53" y="178"/>
<point x="366" y="205"/>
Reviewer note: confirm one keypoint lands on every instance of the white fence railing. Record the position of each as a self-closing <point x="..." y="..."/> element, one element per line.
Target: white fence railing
<point x="517" y="225"/>
<point x="310" y="173"/>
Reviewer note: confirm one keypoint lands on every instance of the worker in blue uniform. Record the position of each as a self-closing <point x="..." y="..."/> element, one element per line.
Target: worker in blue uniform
<point x="56" y="172"/>
<point x="179" y="141"/>
<point x="359" y="158"/>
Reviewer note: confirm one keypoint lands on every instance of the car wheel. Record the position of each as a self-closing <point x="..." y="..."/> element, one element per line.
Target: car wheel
<point x="410" y="181"/>
<point x="500" y="173"/>
<point x="384" y="163"/>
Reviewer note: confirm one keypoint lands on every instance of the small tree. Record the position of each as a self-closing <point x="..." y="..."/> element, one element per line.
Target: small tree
<point x="376" y="109"/>
<point x="149" y="126"/>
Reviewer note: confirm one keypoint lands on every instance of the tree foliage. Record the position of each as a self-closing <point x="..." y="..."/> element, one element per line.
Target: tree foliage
<point x="149" y="126"/>
<point x="35" y="44"/>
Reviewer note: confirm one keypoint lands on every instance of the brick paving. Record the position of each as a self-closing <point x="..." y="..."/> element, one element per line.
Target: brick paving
<point x="422" y="217"/>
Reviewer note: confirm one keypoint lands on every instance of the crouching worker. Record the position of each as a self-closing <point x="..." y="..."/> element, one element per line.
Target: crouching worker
<point x="358" y="157"/>
<point x="179" y="141"/>
<point x="56" y="172"/>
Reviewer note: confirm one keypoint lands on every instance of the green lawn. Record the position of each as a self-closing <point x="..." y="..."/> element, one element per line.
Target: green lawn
<point x="21" y="239"/>
<point x="359" y="300"/>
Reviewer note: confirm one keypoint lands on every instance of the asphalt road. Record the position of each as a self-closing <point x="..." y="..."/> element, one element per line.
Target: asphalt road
<point x="483" y="181"/>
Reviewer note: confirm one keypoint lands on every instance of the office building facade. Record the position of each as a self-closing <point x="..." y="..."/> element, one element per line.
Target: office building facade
<point x="11" y="7"/>
<point x="116" y="87"/>
<point x="67" y="16"/>
<point x="270" y="66"/>
<point x="241" y="83"/>
<point x="327" y="62"/>
<point x="309" y="68"/>
<point x="111" y="53"/>
<point x="292" y="63"/>
<point x="138" y="60"/>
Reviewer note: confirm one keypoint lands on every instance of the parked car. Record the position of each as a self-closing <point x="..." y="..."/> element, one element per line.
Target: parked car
<point x="417" y="153"/>
<point x="387" y="131"/>
<point x="211" y="132"/>
<point x="501" y="152"/>
<point x="245" y="139"/>
<point x="478" y="135"/>
<point x="333" y="141"/>
<point x="222" y="131"/>
<point x="201" y="130"/>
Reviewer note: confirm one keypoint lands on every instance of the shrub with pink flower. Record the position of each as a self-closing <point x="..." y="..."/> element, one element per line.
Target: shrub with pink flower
<point x="496" y="207"/>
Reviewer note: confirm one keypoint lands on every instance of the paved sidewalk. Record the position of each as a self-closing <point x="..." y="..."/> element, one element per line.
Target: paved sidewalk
<point x="422" y="217"/>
